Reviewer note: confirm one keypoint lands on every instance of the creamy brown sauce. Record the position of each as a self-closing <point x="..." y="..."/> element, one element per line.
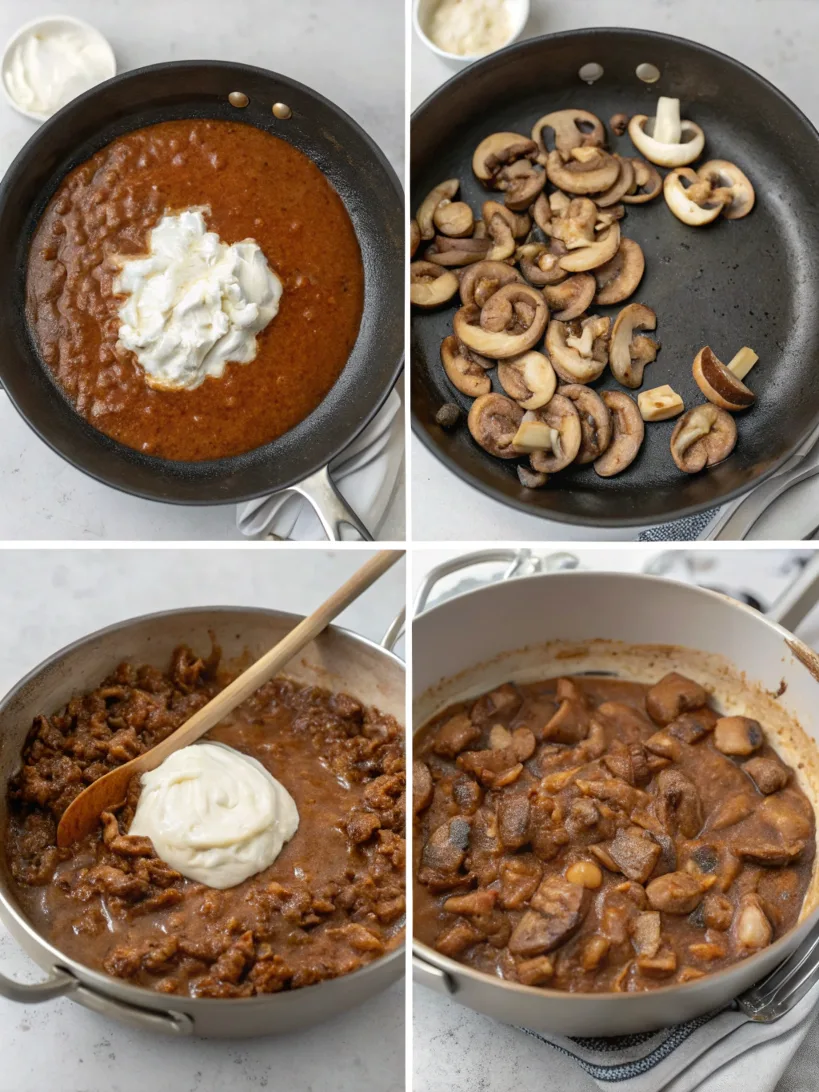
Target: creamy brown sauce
<point x="589" y="834"/>
<point x="256" y="186"/>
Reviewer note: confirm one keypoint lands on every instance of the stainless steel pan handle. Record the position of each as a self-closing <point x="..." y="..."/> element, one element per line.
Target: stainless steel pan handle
<point x="425" y="974"/>
<point x="61" y="982"/>
<point x="333" y="512"/>
<point x="394" y="633"/>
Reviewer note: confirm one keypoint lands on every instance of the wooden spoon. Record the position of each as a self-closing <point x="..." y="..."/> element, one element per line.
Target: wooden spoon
<point x="82" y="814"/>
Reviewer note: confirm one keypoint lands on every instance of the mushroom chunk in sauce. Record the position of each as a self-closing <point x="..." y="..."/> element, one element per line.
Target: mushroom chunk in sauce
<point x="619" y="837"/>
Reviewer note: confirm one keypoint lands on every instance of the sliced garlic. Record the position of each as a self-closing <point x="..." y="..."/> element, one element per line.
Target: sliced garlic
<point x="659" y="403"/>
<point x="742" y="363"/>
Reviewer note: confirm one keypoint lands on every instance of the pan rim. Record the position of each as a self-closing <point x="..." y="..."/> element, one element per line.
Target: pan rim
<point x="608" y="522"/>
<point x="214" y="472"/>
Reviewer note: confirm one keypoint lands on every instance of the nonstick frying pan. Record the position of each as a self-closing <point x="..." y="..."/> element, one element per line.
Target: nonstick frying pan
<point x="747" y="282"/>
<point x="371" y="194"/>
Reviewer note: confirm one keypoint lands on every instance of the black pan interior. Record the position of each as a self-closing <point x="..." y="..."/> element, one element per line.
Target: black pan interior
<point x="371" y="194"/>
<point x="748" y="282"/>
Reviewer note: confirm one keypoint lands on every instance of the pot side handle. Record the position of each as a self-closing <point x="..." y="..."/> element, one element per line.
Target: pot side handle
<point x="58" y="984"/>
<point x="425" y="974"/>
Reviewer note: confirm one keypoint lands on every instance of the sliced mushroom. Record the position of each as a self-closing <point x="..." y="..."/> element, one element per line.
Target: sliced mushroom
<point x="647" y="183"/>
<point x="442" y="192"/>
<point x="606" y="217"/>
<point x="562" y="417"/>
<point x="697" y="204"/>
<point x="728" y="178"/>
<point x="497" y="150"/>
<point x="415" y="237"/>
<point x="628" y="431"/>
<point x="618" y="123"/>
<point x="590" y="170"/>
<point x="454" y="218"/>
<point x="583" y="361"/>
<point x="482" y="280"/>
<point x="457" y="252"/>
<point x="597" y="254"/>
<point x="542" y="213"/>
<point x="665" y="139"/>
<point x="628" y="355"/>
<point x="719" y="384"/>
<point x="618" y="278"/>
<point x="493" y="422"/>
<point x="565" y="125"/>
<point x="620" y="187"/>
<point x="521" y="183"/>
<point x="520" y="223"/>
<point x="574" y="225"/>
<point x="509" y="324"/>
<point x="529" y="479"/>
<point x="540" y="264"/>
<point x="431" y="286"/>
<point x="463" y="373"/>
<point x="595" y="421"/>
<point x="503" y="241"/>
<point x="659" y="404"/>
<point x="529" y="379"/>
<point x="572" y="297"/>
<point x="703" y="437"/>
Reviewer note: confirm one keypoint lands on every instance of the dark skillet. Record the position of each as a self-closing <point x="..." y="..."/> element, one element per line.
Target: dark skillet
<point x="749" y="282"/>
<point x="371" y="194"/>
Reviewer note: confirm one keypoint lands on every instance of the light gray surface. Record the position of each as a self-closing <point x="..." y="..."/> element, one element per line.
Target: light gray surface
<point x="775" y="37"/>
<point x="452" y="1044"/>
<point x="353" y="55"/>
<point x="55" y="597"/>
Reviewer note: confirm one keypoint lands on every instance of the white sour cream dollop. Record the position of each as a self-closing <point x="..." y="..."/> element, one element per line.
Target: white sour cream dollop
<point x="194" y="303"/>
<point x="214" y="814"/>
<point x="470" y="28"/>
<point x="54" y="61"/>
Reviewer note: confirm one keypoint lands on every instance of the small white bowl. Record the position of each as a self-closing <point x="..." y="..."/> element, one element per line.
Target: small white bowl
<point x="422" y="9"/>
<point x="54" y="22"/>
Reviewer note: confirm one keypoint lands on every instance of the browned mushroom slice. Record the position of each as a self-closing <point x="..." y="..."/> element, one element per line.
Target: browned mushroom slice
<point x="442" y="192"/>
<point x="542" y="213"/>
<point x="431" y="286"/>
<point x="621" y="186"/>
<point x="463" y="373"/>
<point x="628" y="430"/>
<point x="493" y="422"/>
<point x="648" y="183"/>
<point x="618" y="123"/>
<point x="738" y="735"/>
<point x="598" y="253"/>
<point x="578" y="351"/>
<point x="572" y="297"/>
<point x="618" y="278"/>
<point x="562" y="418"/>
<point x="520" y="223"/>
<point x="454" y="218"/>
<point x="628" y="355"/>
<point x="482" y="280"/>
<point x="675" y="893"/>
<point x="457" y="252"/>
<point x="521" y="183"/>
<point x="574" y="225"/>
<point x="692" y="199"/>
<point x="703" y="437"/>
<point x="529" y="379"/>
<point x="768" y="774"/>
<point x="503" y="241"/>
<point x="498" y="149"/>
<point x="540" y="265"/>
<point x="595" y="421"/>
<point x="565" y="125"/>
<point x="729" y="179"/>
<point x="509" y="324"/>
<point x="590" y="170"/>
<point x="415" y="237"/>
<point x="719" y="385"/>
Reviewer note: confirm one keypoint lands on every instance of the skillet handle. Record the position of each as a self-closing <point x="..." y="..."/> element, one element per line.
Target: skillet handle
<point x="425" y="974"/>
<point x="331" y="508"/>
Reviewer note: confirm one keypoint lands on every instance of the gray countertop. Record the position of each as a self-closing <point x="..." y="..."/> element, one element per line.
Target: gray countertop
<point x="56" y="597"/>
<point x="354" y="56"/>
<point x="775" y="37"/>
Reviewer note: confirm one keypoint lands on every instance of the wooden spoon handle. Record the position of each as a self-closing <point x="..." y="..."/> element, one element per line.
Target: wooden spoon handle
<point x="273" y="661"/>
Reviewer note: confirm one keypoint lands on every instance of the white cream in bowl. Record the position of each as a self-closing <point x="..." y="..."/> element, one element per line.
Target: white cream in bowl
<point x="214" y="814"/>
<point x="194" y="303"/>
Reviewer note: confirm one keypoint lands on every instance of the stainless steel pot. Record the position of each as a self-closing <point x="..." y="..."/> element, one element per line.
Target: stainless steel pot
<point x="638" y="627"/>
<point x="339" y="660"/>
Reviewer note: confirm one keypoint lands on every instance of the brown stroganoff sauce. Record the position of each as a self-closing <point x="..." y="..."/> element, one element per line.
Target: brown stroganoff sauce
<point x="256" y="186"/>
<point x="592" y="834"/>
<point x="332" y="901"/>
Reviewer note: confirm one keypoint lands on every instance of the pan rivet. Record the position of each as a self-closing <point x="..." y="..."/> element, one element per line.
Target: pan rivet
<point x="589" y="73"/>
<point x="238" y="98"/>
<point x="282" y="110"/>
<point x="648" y="73"/>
